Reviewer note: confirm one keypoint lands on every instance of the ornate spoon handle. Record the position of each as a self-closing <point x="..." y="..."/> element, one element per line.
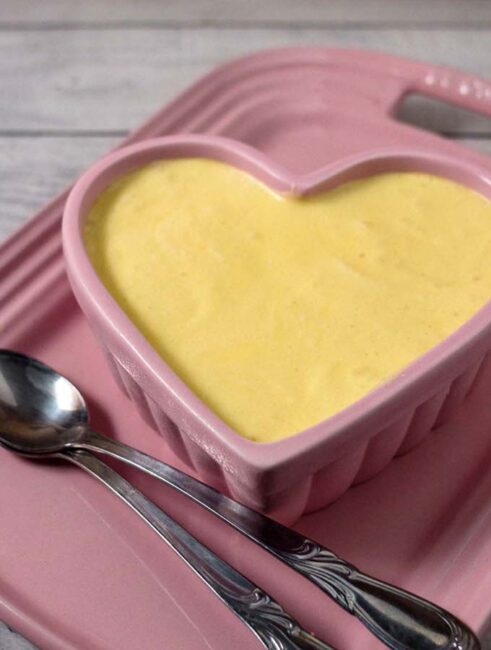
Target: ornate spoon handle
<point x="275" y="628"/>
<point x="401" y="620"/>
<point x="398" y="618"/>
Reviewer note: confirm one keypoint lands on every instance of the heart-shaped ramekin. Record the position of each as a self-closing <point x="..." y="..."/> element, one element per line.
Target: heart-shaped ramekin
<point x="312" y="468"/>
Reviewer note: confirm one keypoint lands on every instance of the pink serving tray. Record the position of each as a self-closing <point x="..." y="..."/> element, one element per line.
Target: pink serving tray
<point x="79" y="570"/>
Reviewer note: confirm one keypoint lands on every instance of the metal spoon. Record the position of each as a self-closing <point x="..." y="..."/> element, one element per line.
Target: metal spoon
<point x="269" y="622"/>
<point x="42" y="413"/>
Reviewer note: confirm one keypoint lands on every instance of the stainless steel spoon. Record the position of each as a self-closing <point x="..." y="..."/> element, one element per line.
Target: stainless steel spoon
<point x="269" y="622"/>
<point x="42" y="413"/>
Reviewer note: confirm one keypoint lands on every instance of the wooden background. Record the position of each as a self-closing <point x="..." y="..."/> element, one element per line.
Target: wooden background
<point x="76" y="76"/>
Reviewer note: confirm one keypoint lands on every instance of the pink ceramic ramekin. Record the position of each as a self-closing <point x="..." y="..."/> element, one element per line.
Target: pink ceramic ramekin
<point x="312" y="468"/>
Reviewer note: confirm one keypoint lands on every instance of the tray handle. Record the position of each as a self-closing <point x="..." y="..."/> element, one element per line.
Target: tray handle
<point x="390" y="78"/>
<point x="464" y="90"/>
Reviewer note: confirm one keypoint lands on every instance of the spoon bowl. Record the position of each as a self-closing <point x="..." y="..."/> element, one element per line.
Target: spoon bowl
<point x="41" y="412"/>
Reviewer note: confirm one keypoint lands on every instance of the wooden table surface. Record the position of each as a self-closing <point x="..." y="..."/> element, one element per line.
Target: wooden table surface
<point x="75" y="77"/>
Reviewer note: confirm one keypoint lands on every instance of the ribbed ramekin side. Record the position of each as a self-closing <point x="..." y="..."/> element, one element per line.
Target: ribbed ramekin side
<point x="182" y="445"/>
<point x="148" y="409"/>
<point x="286" y="505"/>
<point x="330" y="482"/>
<point x="458" y="390"/>
<point x="358" y="463"/>
<point x="408" y="431"/>
<point x="423" y="420"/>
<point x="382" y="447"/>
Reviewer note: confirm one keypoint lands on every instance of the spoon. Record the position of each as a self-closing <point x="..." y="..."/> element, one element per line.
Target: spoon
<point x="42" y="413"/>
<point x="270" y="623"/>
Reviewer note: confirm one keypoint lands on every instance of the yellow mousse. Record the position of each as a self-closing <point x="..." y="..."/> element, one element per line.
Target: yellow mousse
<point x="280" y="311"/>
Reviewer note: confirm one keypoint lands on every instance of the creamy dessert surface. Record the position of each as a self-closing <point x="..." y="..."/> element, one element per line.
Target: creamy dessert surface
<point x="278" y="311"/>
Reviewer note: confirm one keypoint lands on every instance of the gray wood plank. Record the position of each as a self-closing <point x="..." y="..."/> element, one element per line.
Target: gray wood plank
<point x="10" y="640"/>
<point x="36" y="169"/>
<point x="442" y="118"/>
<point x="112" y="79"/>
<point x="254" y="12"/>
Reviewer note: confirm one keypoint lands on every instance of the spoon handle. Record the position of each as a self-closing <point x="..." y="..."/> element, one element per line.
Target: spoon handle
<point x="274" y="627"/>
<point x="400" y="619"/>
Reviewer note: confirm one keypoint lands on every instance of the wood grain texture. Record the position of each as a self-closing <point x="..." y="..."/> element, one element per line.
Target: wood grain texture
<point x="110" y="80"/>
<point x="291" y="13"/>
<point x="36" y="169"/>
<point x="10" y="640"/>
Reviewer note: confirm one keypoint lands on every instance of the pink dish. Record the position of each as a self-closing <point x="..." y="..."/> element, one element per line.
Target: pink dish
<point x="313" y="468"/>
<point x="78" y="570"/>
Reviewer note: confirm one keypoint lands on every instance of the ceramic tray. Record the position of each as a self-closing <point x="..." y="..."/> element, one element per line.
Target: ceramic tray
<point x="79" y="570"/>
